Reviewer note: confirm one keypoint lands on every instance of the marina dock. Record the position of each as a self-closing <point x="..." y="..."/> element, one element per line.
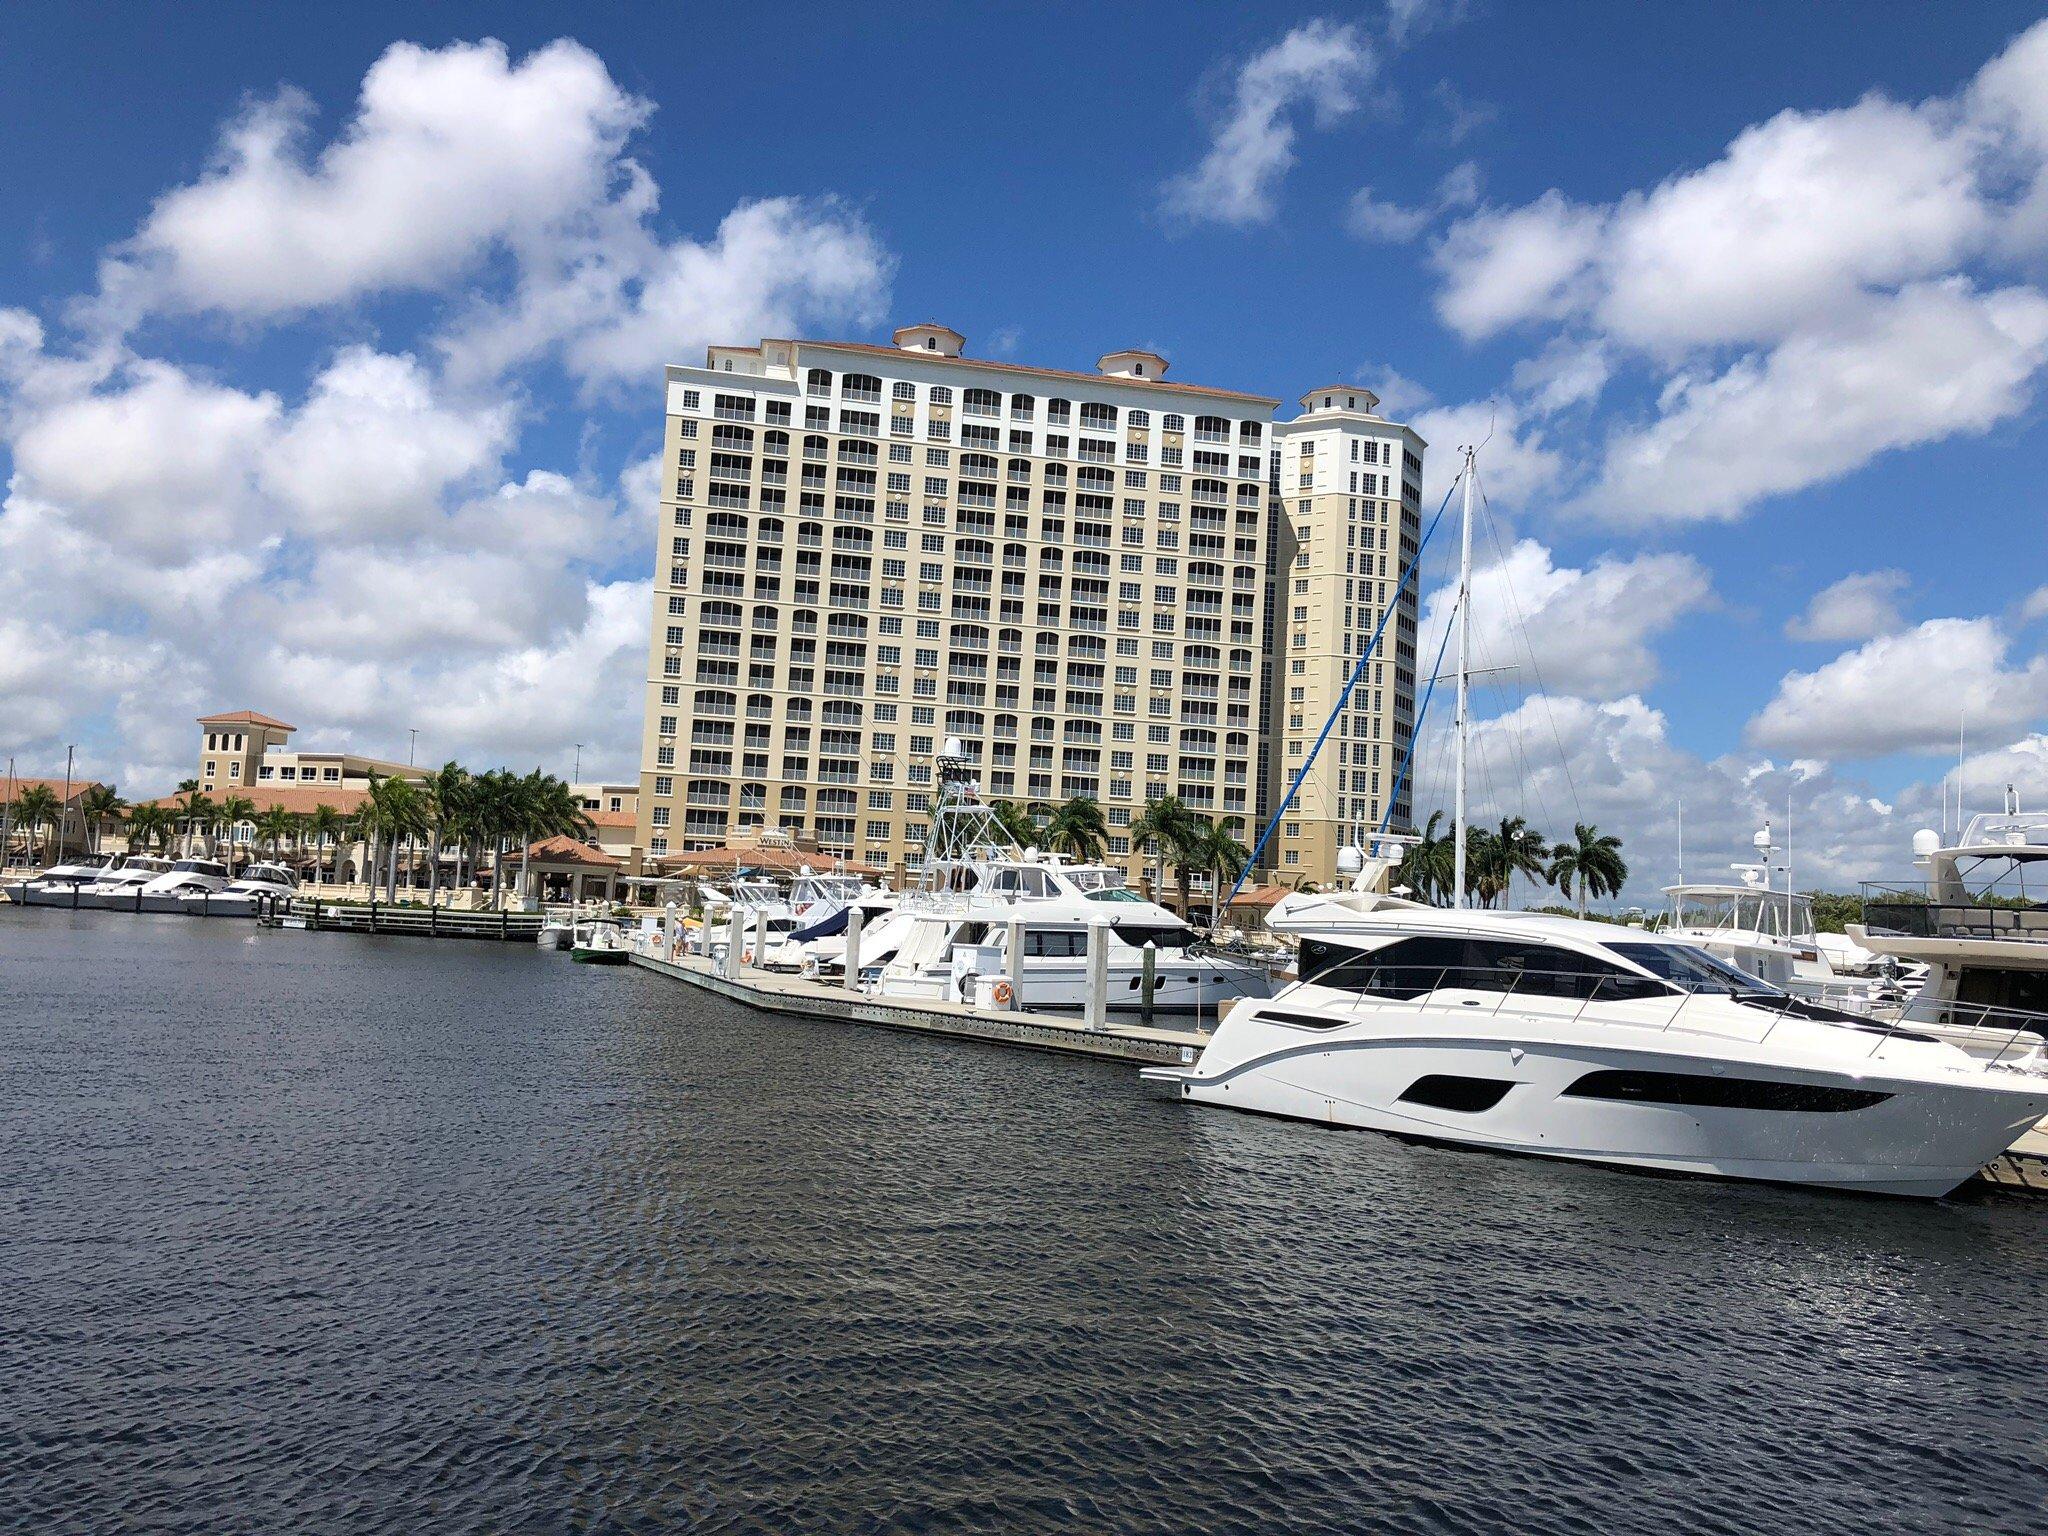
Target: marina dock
<point x="774" y="992"/>
<point x="314" y="915"/>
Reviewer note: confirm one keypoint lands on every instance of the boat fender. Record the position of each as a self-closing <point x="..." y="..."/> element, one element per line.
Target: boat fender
<point x="746" y="957"/>
<point x="1001" y="993"/>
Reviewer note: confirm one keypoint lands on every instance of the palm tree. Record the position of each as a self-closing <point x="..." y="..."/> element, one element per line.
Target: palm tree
<point x="1015" y="822"/>
<point x="1426" y="868"/>
<point x="1217" y="850"/>
<point x="324" y="825"/>
<point x="396" y="811"/>
<point x="544" y="806"/>
<point x="193" y="811"/>
<point x="448" y="794"/>
<point x="1494" y="858"/>
<point x="1590" y="862"/>
<point x="234" y="811"/>
<point x="36" y="806"/>
<point x="1171" y="828"/>
<point x="274" y="826"/>
<point x="150" y="824"/>
<point x="1075" y="827"/>
<point x="98" y="806"/>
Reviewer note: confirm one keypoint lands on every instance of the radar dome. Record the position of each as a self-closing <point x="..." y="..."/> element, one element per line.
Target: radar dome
<point x="1925" y="841"/>
<point x="1350" y="860"/>
<point x="954" y="747"/>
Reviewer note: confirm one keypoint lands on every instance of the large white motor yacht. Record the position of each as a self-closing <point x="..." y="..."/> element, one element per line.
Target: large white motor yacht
<point x="242" y="896"/>
<point x="167" y="892"/>
<point x="1975" y="924"/>
<point x="117" y="889"/>
<point x="62" y="884"/>
<point x="1559" y="1038"/>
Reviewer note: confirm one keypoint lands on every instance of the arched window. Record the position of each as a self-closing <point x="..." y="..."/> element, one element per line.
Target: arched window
<point x="981" y="402"/>
<point x="1139" y="419"/>
<point x="860" y="386"/>
<point x="1173" y="423"/>
<point x="709" y="792"/>
<point x="818" y="382"/>
<point x="815" y="447"/>
<point x="721" y="614"/>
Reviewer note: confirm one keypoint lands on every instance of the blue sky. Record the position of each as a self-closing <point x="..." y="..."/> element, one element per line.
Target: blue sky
<point x="352" y="426"/>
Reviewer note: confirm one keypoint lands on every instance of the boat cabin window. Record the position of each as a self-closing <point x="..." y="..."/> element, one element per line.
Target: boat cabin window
<point x="1017" y="882"/>
<point x="1159" y="935"/>
<point x="1413" y="967"/>
<point x="1061" y="943"/>
<point x="1691" y="968"/>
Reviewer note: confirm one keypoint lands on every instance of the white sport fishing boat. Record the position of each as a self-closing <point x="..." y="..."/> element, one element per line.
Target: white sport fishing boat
<point x="949" y="939"/>
<point x="169" y="892"/>
<point x="1771" y="935"/>
<point x="117" y="889"/>
<point x="62" y="884"/>
<point x="242" y="896"/>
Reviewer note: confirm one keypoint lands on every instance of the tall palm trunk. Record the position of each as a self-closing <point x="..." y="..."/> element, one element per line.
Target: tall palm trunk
<point x="434" y="868"/>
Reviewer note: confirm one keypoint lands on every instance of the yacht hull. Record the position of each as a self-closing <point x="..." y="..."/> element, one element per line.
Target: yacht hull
<point x="47" y="896"/>
<point x="1898" y="1137"/>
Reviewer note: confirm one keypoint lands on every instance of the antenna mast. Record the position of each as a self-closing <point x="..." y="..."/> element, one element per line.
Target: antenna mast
<point x="1464" y="666"/>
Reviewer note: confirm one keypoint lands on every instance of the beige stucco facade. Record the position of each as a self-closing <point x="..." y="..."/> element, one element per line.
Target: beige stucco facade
<point x="865" y="550"/>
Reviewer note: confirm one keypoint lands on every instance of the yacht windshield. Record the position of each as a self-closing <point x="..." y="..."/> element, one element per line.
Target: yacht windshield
<point x="1692" y="969"/>
<point x="1093" y="879"/>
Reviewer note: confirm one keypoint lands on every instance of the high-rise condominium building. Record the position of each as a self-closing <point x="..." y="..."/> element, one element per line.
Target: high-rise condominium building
<point x="1085" y="577"/>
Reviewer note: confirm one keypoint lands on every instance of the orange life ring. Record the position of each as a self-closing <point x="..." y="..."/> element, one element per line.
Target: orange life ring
<point x="1001" y="993"/>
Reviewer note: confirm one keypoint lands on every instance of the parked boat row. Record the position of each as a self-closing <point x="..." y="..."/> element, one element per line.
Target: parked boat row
<point x="140" y="882"/>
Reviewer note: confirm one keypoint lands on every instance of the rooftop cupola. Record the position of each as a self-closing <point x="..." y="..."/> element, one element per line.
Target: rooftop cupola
<point x="1131" y="365"/>
<point x="938" y="340"/>
<point x="1340" y="397"/>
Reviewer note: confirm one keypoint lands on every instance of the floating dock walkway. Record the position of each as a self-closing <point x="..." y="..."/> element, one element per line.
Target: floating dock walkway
<point x="313" y="914"/>
<point x="776" y="992"/>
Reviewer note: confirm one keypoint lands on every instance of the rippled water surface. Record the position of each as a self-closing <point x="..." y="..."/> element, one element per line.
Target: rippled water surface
<point x="307" y="1232"/>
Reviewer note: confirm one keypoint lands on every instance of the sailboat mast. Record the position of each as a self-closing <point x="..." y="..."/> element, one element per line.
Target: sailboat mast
<point x="1464" y="666"/>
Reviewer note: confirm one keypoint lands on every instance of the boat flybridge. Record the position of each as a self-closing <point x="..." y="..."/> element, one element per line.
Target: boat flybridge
<point x="1770" y="934"/>
<point x="1977" y="925"/>
<point x="117" y="888"/>
<point x="950" y="938"/>
<point x="1563" y="1038"/>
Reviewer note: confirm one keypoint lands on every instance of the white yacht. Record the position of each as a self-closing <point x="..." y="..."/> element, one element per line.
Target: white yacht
<point x="167" y="892"/>
<point x="1975" y="924"/>
<point x="1554" y="1037"/>
<point x="242" y="896"/>
<point x="61" y="885"/>
<point x="117" y="889"/>
<point x="949" y="940"/>
<point x="1770" y="934"/>
<point x="762" y="907"/>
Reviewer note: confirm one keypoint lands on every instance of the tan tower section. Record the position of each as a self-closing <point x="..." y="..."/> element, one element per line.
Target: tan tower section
<point x="864" y="550"/>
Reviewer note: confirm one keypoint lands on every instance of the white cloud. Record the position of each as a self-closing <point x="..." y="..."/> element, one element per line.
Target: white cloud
<point x="451" y="152"/>
<point x="1832" y="287"/>
<point x="1504" y="266"/>
<point x="1515" y="464"/>
<point x="1584" y="631"/>
<point x="1321" y="68"/>
<point x="1905" y="693"/>
<point x="1568" y="372"/>
<point x="1861" y="606"/>
<point x="1371" y="219"/>
<point x="373" y="449"/>
<point x="1936" y="360"/>
<point x="1556" y="760"/>
<point x="2034" y="606"/>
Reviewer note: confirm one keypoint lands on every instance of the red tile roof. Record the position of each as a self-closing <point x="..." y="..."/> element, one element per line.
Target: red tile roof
<point x="299" y="800"/>
<point x="610" y="818"/>
<point x="1260" y="896"/>
<point x="245" y="717"/>
<point x="782" y="860"/>
<point x="54" y="785"/>
<point x="1168" y="386"/>
<point x="566" y="850"/>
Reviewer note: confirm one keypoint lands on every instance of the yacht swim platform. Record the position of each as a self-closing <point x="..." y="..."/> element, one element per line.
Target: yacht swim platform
<point x="782" y="993"/>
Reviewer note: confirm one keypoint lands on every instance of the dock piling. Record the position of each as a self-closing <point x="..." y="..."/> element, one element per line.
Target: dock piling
<point x="1098" y="976"/>
<point x="1013" y="962"/>
<point x="853" y="934"/>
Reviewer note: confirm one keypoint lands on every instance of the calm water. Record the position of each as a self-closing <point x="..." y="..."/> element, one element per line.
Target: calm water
<point x="307" y="1232"/>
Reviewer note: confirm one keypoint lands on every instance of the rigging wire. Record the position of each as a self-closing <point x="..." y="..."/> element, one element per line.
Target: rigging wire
<point x="1343" y="701"/>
